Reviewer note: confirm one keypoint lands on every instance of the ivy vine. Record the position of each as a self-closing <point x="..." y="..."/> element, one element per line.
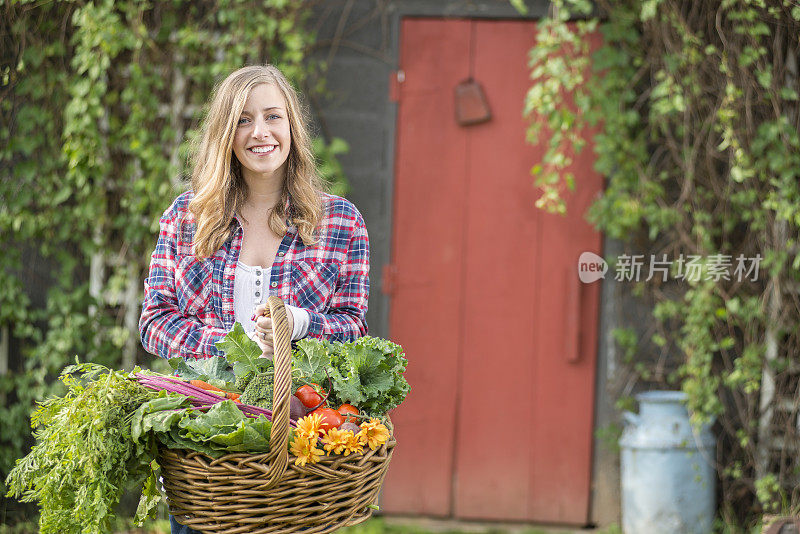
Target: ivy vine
<point x="695" y="116"/>
<point x="97" y="101"/>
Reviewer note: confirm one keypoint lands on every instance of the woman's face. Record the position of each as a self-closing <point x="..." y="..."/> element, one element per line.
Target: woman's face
<point x="263" y="138"/>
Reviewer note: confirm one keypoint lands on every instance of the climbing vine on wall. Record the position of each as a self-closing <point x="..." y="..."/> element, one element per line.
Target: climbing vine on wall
<point x="696" y="110"/>
<point x="97" y="102"/>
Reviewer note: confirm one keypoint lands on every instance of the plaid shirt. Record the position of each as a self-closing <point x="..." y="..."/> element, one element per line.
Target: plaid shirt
<point x="188" y="301"/>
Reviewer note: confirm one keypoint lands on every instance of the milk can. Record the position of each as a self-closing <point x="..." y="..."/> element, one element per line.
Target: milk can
<point x="667" y="468"/>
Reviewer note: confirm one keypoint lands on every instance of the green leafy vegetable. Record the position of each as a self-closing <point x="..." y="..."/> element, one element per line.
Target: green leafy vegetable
<point x="242" y="352"/>
<point x="213" y="370"/>
<point x="259" y="390"/>
<point x="240" y="384"/>
<point x="158" y="415"/>
<point x="84" y="456"/>
<point x="311" y="359"/>
<point x="151" y="496"/>
<point x="251" y="435"/>
<point x="220" y="430"/>
<point x="220" y="418"/>
<point x="367" y="372"/>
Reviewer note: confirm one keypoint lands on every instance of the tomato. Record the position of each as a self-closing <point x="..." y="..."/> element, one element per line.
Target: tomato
<point x="348" y="409"/>
<point x="330" y="418"/>
<point x="308" y="396"/>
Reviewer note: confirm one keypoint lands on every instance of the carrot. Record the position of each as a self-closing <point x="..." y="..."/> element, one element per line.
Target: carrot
<point x="205" y="385"/>
<point x="208" y="387"/>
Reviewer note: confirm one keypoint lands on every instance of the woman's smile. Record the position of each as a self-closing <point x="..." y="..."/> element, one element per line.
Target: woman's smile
<point x="263" y="149"/>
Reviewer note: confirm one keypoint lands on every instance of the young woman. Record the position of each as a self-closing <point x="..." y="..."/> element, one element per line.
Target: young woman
<point x="254" y="223"/>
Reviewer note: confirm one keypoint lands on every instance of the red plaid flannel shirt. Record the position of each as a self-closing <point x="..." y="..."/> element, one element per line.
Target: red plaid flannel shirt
<point x="188" y="301"/>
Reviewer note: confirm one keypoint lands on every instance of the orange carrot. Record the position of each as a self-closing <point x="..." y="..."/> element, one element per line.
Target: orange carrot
<point x="214" y="389"/>
<point x="205" y="385"/>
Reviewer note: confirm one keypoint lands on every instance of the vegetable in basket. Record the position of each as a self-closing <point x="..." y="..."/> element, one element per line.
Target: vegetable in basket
<point x="84" y="456"/>
<point x="103" y="434"/>
<point x="366" y="373"/>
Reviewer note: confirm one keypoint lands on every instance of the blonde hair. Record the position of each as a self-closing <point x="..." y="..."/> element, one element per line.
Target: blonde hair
<point x="217" y="182"/>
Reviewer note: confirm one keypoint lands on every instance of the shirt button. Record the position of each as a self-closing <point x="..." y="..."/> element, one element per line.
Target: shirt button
<point x="258" y="273"/>
<point x="274" y="284"/>
<point x="258" y="294"/>
<point x="281" y="253"/>
<point x="258" y="282"/>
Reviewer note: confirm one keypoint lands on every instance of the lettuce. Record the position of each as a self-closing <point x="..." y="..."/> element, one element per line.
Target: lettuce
<point x="368" y="372"/>
<point x="222" y="429"/>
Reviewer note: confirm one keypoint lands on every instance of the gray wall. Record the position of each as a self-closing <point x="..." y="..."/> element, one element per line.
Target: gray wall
<point x="360" y="39"/>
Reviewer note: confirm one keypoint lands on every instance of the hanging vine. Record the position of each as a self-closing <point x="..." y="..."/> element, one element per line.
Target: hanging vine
<point x="697" y="113"/>
<point x="97" y="102"/>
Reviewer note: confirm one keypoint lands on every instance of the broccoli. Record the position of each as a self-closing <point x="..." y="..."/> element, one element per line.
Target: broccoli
<point x="242" y="381"/>
<point x="259" y="390"/>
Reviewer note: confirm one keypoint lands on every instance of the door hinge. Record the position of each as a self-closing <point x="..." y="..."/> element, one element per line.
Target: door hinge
<point x="396" y="77"/>
<point x="389" y="281"/>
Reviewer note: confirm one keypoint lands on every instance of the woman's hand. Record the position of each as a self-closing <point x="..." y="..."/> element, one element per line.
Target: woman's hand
<point x="264" y="328"/>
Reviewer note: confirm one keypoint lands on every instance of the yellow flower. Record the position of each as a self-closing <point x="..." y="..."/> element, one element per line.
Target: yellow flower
<point x="374" y="433"/>
<point x="305" y="450"/>
<point x="309" y="426"/>
<point x="335" y="440"/>
<point x="355" y="443"/>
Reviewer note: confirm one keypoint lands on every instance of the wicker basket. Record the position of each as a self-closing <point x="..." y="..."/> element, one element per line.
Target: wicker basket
<point x="267" y="493"/>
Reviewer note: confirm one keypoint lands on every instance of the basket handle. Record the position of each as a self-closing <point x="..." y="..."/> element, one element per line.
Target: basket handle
<point x="279" y="435"/>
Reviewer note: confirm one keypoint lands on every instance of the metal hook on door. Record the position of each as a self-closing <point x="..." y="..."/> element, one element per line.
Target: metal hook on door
<point x="471" y="104"/>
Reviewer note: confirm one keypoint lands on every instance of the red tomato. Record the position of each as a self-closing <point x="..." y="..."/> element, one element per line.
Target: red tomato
<point x="308" y="396"/>
<point x="348" y="409"/>
<point x="330" y="418"/>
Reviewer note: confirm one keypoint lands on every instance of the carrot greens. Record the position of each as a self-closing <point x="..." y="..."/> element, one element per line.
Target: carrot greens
<point x="84" y="456"/>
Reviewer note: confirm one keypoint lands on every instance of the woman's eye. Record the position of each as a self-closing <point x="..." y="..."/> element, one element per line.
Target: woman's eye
<point x="273" y="117"/>
<point x="242" y="120"/>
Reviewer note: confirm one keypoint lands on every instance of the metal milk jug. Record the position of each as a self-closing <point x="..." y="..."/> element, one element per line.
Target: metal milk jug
<point x="667" y="468"/>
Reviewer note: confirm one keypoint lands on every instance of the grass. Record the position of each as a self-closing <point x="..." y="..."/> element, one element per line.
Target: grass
<point x="373" y="526"/>
<point x="401" y="526"/>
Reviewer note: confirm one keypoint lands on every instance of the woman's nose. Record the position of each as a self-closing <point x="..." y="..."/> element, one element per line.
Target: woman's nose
<point x="260" y="129"/>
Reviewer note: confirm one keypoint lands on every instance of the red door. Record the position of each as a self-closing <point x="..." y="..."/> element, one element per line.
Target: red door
<point x="498" y="329"/>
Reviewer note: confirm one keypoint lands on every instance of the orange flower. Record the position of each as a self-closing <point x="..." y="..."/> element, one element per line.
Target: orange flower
<point x="374" y="433"/>
<point x="334" y="440"/>
<point x="309" y="426"/>
<point x="305" y="450"/>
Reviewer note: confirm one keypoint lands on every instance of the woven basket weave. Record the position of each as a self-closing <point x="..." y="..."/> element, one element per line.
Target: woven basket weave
<point x="246" y="493"/>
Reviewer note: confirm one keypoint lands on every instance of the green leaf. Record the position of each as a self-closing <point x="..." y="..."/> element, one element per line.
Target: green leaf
<point x="311" y="358"/>
<point x="242" y="352"/>
<point x="222" y="417"/>
<point x="348" y="387"/>
<point x="520" y="6"/>
<point x="159" y="414"/>
<point x="213" y="370"/>
<point x="252" y="435"/>
<point x="175" y="440"/>
<point x="149" y="501"/>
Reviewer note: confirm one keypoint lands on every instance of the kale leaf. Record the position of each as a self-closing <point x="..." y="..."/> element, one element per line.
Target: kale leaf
<point x="368" y="372"/>
<point x="242" y="352"/>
